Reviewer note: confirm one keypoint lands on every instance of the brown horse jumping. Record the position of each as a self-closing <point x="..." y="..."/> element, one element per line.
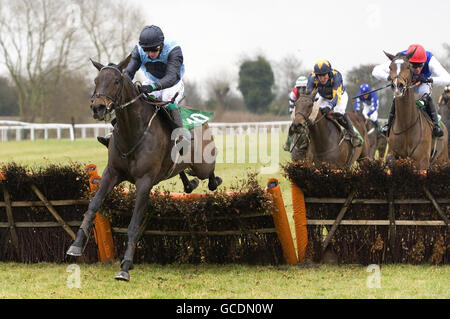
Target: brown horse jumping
<point x="140" y="151"/>
<point x="411" y="132"/>
<point x="327" y="141"/>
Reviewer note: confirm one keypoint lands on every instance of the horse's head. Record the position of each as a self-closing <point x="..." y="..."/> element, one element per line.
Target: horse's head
<point x="108" y="88"/>
<point x="400" y="72"/>
<point x="302" y="112"/>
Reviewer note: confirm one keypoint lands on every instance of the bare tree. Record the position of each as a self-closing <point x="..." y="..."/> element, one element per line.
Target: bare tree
<point x="36" y="37"/>
<point x="111" y="26"/>
<point x="42" y="39"/>
<point x="287" y="70"/>
<point x="218" y="89"/>
<point x="192" y="94"/>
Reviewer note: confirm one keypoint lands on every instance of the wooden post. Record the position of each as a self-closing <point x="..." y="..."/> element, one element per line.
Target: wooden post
<point x="338" y="219"/>
<point x="9" y="214"/>
<point x="436" y="205"/>
<point x="53" y="211"/>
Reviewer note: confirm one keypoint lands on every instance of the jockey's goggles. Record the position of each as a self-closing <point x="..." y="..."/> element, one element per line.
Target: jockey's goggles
<point x="417" y="65"/>
<point x="152" y="49"/>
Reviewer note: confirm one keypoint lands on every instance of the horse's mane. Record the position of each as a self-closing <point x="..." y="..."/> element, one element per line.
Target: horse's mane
<point x="126" y="77"/>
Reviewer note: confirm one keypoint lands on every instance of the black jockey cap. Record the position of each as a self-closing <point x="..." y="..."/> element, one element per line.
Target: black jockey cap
<point x="151" y="36"/>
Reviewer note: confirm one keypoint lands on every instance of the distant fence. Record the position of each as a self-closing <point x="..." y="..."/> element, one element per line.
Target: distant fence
<point x="15" y="130"/>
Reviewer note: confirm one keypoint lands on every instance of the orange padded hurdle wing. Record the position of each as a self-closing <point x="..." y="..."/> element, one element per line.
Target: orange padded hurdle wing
<point x="301" y="233"/>
<point x="102" y="226"/>
<point x="281" y="222"/>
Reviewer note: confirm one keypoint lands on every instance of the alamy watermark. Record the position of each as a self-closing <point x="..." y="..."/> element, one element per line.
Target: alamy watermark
<point x="231" y="147"/>
<point x="373" y="16"/>
<point x="373" y="281"/>
<point x="74" y="279"/>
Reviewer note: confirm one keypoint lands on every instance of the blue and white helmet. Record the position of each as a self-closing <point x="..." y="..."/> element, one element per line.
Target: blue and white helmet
<point x="302" y="81"/>
<point x="364" y="88"/>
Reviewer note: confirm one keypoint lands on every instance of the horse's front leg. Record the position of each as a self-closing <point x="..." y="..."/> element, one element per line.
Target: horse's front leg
<point x="135" y="228"/>
<point x="108" y="181"/>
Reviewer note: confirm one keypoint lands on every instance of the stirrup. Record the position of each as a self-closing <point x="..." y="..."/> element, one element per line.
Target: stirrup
<point x="438" y="132"/>
<point x="354" y="139"/>
<point x="356" y="142"/>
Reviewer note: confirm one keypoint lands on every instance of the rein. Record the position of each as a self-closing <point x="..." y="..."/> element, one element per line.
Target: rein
<point x="310" y="124"/>
<point x="419" y="117"/>
<point x="131" y="151"/>
<point x="114" y="105"/>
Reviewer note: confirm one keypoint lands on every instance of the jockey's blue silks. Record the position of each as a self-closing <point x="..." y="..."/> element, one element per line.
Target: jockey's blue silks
<point x="168" y="46"/>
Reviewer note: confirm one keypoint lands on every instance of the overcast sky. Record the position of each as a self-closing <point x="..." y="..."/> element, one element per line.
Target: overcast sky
<point x="215" y="35"/>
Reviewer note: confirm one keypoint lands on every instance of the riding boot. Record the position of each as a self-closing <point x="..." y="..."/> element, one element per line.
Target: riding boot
<point x="287" y="145"/>
<point x="176" y="117"/>
<point x="178" y="121"/>
<point x="345" y="121"/>
<point x="431" y="110"/>
<point x="105" y="140"/>
<point x="386" y="129"/>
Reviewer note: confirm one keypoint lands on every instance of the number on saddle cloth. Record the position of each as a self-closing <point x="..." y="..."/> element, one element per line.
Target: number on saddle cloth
<point x="193" y="118"/>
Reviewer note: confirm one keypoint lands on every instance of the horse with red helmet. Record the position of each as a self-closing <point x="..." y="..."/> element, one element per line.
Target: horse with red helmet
<point x="426" y="70"/>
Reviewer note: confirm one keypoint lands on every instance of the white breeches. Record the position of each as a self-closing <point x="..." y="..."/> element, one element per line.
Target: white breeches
<point x="339" y="108"/>
<point x="365" y="111"/>
<point x="419" y="91"/>
<point x="169" y="93"/>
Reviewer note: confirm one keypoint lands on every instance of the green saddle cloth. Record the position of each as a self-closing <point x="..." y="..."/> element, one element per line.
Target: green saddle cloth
<point x="192" y="118"/>
<point x="357" y="133"/>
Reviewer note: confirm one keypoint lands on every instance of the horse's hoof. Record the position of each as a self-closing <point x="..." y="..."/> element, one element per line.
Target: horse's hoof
<point x="192" y="185"/>
<point x="74" y="251"/>
<point x="122" y="275"/>
<point x="216" y="182"/>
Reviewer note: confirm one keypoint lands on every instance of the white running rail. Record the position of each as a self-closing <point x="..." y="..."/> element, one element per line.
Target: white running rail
<point x="15" y="130"/>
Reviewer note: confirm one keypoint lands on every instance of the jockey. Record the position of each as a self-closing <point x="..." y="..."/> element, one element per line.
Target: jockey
<point x="367" y="104"/>
<point x="444" y="99"/>
<point x="161" y="60"/>
<point x="332" y="95"/>
<point x="426" y="70"/>
<point x="300" y="86"/>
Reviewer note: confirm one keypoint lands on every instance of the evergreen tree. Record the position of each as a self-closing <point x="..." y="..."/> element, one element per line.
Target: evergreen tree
<point x="256" y="80"/>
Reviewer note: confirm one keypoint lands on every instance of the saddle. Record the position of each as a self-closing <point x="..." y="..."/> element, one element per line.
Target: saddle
<point x="427" y="117"/>
<point x="162" y="109"/>
<point x="344" y="133"/>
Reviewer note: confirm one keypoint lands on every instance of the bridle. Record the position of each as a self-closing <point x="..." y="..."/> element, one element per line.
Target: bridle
<point x="114" y="102"/>
<point x="406" y="81"/>
<point x="308" y="122"/>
